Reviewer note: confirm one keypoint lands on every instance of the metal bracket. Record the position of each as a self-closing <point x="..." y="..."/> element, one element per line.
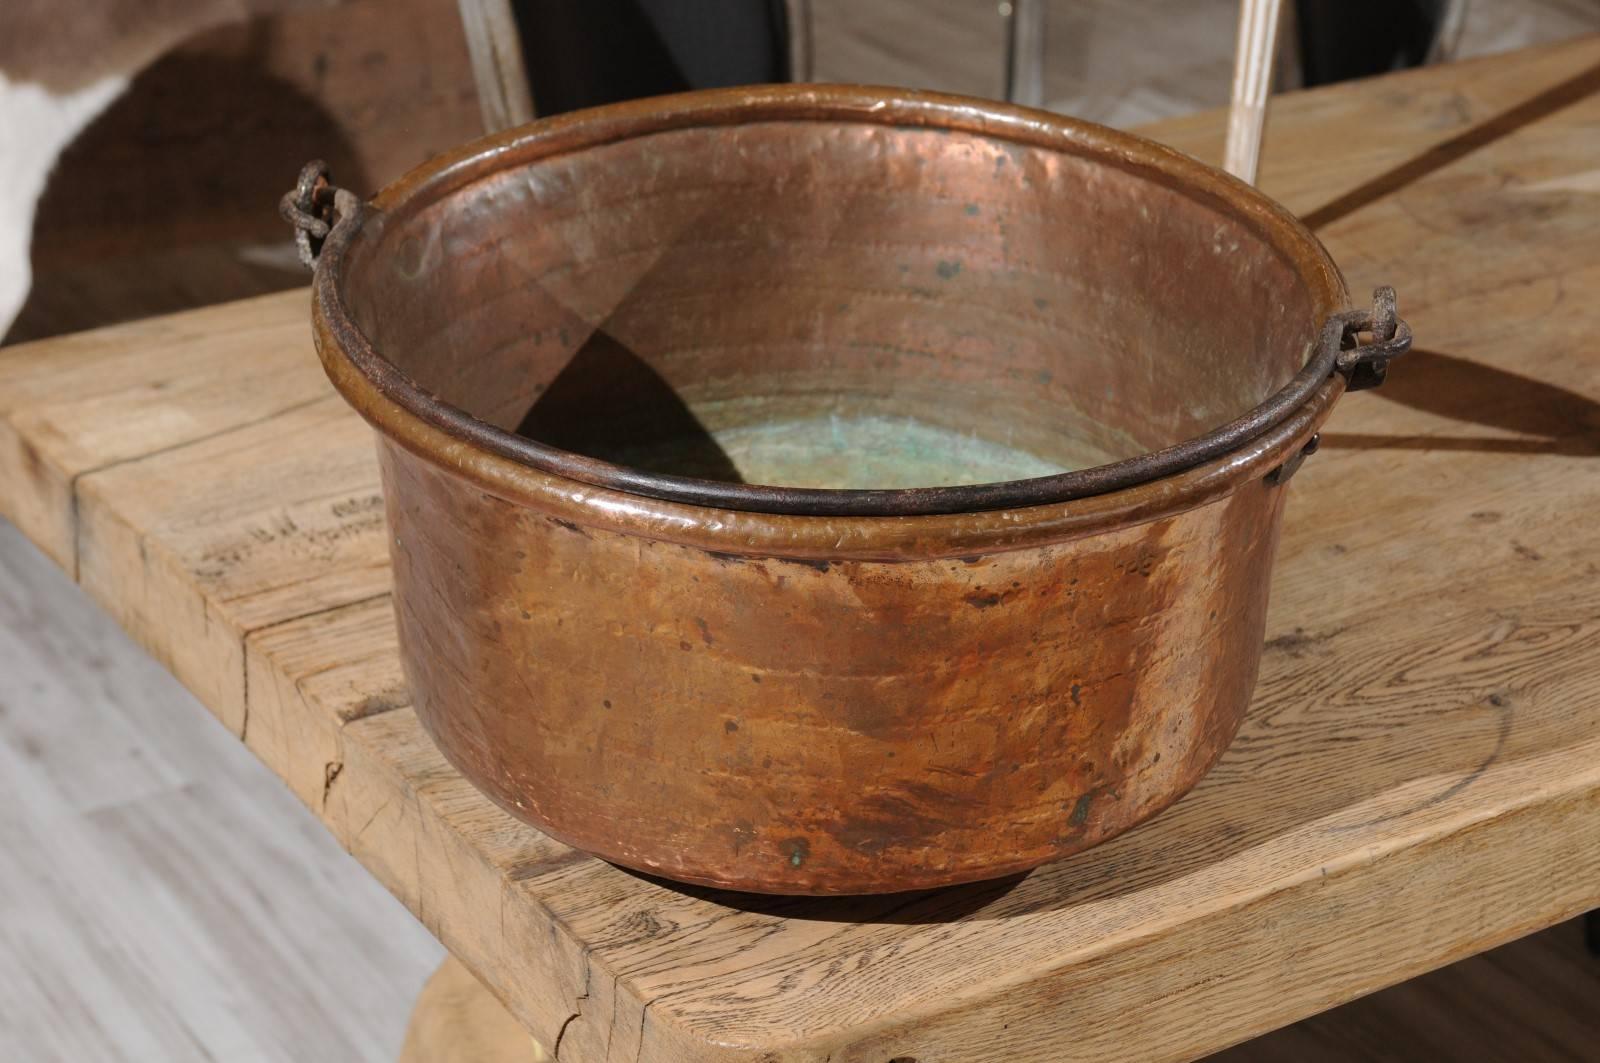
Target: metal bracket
<point x="1364" y="365"/>
<point x="1280" y="476"/>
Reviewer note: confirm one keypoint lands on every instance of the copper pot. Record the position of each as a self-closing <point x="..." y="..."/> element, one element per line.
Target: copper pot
<point x="1016" y="396"/>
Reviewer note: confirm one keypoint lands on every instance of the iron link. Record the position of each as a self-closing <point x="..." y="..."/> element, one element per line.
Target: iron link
<point x="1366" y="364"/>
<point x="310" y="207"/>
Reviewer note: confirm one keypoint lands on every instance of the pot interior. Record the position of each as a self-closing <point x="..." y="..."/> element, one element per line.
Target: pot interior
<point x="833" y="304"/>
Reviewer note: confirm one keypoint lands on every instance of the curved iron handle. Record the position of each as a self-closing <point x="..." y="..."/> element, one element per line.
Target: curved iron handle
<point x="315" y="206"/>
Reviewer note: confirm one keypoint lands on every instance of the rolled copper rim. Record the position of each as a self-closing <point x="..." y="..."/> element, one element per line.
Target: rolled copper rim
<point x="1311" y="392"/>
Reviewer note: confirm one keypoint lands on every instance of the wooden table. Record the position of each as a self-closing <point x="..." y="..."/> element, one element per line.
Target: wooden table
<point x="1419" y="778"/>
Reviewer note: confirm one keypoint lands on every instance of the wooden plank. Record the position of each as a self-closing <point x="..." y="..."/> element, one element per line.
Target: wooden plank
<point x="1532" y="999"/>
<point x="1532" y="995"/>
<point x="1418" y="778"/>
<point x="311" y="677"/>
<point x="80" y="403"/>
<point x="233" y="534"/>
<point x="1368" y="137"/>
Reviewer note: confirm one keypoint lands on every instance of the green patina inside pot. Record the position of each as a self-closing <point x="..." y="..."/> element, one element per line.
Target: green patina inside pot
<point x="852" y="452"/>
<point x="814" y="438"/>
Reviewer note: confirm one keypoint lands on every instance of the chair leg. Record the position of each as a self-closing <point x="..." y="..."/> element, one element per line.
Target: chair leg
<point x="1024" y="77"/>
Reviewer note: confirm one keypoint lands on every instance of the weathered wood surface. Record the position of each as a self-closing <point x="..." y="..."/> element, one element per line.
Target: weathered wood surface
<point x="1419" y="778"/>
<point x="1532" y="999"/>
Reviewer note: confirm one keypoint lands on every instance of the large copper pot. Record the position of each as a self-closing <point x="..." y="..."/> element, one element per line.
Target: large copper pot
<point x="1075" y="369"/>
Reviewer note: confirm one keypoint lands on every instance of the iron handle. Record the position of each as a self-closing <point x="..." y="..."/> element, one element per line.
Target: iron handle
<point x="315" y="206"/>
<point x="1364" y="365"/>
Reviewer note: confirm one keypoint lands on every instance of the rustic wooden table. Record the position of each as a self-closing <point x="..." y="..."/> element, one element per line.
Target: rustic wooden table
<point x="1418" y="780"/>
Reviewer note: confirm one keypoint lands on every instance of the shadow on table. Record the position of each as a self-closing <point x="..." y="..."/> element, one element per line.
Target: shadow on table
<point x="1549" y="418"/>
<point x="948" y="905"/>
<point x="1542" y="105"/>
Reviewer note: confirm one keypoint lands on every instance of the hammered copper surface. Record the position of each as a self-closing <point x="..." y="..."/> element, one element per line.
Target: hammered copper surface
<point x="826" y="704"/>
<point x="814" y="726"/>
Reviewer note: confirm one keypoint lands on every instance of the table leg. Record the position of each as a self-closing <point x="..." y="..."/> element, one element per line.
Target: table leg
<point x="456" y="1020"/>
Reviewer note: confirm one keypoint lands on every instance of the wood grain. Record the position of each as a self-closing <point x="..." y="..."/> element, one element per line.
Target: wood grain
<point x="1531" y="999"/>
<point x="81" y="404"/>
<point x="1418" y="780"/>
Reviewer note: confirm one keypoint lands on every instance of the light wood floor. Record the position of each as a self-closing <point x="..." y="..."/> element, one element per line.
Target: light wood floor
<point x="163" y="898"/>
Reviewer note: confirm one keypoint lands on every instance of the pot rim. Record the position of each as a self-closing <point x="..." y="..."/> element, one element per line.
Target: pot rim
<point x="402" y="409"/>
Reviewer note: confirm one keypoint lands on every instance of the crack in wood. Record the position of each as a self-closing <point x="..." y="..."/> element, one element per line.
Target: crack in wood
<point x="577" y="1003"/>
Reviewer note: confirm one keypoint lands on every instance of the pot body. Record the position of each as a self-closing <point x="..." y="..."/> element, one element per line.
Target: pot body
<point x="822" y="725"/>
<point x="718" y="689"/>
